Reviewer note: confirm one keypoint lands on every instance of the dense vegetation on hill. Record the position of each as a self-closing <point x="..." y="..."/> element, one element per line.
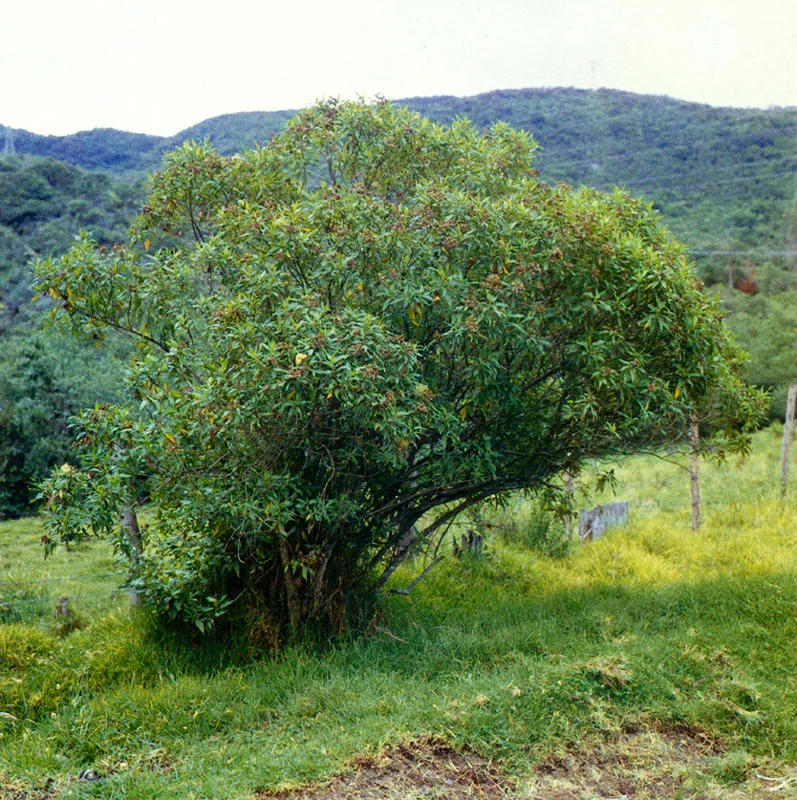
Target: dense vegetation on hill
<point x="722" y="177"/>
<point x="45" y="379"/>
<point x="44" y="203"/>
<point x="137" y="153"/>
<point x="724" y="180"/>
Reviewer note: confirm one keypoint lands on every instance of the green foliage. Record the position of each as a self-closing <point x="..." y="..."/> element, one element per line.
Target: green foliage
<point x="768" y="327"/>
<point x="539" y="528"/>
<point x="722" y="178"/>
<point x="45" y="379"/>
<point x="357" y="332"/>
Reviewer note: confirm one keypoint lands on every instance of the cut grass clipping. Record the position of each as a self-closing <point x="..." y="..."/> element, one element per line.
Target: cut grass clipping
<point x="655" y="662"/>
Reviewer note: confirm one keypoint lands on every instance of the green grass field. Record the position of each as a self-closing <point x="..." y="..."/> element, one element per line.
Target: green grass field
<point x="656" y="656"/>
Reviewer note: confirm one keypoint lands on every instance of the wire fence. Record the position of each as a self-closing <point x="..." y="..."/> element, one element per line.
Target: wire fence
<point x="32" y="599"/>
<point x="35" y="598"/>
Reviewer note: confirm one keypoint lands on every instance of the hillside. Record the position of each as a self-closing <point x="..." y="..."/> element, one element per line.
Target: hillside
<point x="723" y="178"/>
<point x="44" y="204"/>
<point x="137" y="153"/>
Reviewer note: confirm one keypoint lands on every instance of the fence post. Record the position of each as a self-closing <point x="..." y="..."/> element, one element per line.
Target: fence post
<point x="694" y="474"/>
<point x="62" y="609"/>
<point x="788" y="430"/>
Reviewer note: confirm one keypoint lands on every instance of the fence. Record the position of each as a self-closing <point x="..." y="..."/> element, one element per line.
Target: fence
<point x="27" y="600"/>
<point x="594" y="522"/>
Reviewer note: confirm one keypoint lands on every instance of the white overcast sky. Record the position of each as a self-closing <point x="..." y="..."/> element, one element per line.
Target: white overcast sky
<point x="159" y="66"/>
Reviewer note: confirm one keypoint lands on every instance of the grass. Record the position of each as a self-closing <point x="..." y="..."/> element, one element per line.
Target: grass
<point x="650" y="631"/>
<point x="31" y="586"/>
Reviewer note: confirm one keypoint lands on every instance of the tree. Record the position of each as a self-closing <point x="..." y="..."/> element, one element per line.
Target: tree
<point x="352" y="335"/>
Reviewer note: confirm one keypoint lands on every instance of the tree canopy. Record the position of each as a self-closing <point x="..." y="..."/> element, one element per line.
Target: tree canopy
<point x="353" y="334"/>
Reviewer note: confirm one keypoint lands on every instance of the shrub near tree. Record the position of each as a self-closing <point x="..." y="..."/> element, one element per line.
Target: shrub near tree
<point x="354" y="334"/>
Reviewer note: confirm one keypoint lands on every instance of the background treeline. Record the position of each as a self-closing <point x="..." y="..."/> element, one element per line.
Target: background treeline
<point x="45" y="378"/>
<point x="724" y="180"/>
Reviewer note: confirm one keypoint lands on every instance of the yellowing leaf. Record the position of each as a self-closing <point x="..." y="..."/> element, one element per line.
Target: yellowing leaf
<point x="146" y="245"/>
<point x="170" y="438"/>
<point x="300" y="358"/>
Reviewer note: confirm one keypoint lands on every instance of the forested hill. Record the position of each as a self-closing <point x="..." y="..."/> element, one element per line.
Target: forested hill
<point x="723" y="178"/>
<point x="120" y="152"/>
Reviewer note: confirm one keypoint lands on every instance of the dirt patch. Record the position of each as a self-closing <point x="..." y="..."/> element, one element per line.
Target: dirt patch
<point x="12" y="791"/>
<point x="640" y="765"/>
<point x="650" y="764"/>
<point x="424" y="769"/>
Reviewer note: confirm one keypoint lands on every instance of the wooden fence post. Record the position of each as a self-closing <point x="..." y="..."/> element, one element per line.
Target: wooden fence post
<point x="788" y="430"/>
<point x="694" y="474"/>
<point x="62" y="609"/>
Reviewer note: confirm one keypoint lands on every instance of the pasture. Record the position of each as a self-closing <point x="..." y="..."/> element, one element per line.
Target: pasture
<point x="654" y="662"/>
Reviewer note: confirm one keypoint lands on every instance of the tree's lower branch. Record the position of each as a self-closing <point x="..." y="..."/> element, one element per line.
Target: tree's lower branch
<point x="406" y="590"/>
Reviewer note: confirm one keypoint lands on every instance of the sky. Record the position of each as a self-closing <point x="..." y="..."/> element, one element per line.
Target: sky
<point x="160" y="66"/>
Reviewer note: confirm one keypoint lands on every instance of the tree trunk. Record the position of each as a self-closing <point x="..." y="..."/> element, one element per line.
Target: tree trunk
<point x="292" y="586"/>
<point x="788" y="431"/>
<point x="694" y="475"/>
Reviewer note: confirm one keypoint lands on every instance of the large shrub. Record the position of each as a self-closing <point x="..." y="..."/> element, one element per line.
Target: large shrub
<point x="355" y="333"/>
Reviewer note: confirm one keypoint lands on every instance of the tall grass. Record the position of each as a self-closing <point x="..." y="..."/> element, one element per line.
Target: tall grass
<point x="513" y="653"/>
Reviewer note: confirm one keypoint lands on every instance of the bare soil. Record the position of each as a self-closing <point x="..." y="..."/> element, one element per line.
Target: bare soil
<point x="423" y="769"/>
<point x="643" y="765"/>
<point x="632" y="766"/>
